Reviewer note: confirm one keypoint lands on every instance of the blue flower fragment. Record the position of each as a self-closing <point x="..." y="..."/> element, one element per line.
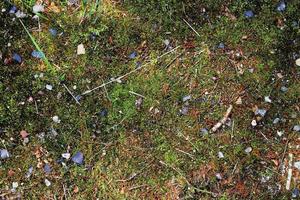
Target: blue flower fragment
<point x="47" y="168"/>
<point x="37" y="54"/>
<point x="133" y="55"/>
<point x="249" y="14"/>
<point x="4" y="154"/>
<point x="78" y="158"/>
<point x="221" y="45"/>
<point x="53" y="32"/>
<point x="295" y="193"/>
<point x="103" y="112"/>
<point x="281" y="6"/>
<point x="16" y="57"/>
<point x="29" y="172"/>
<point x="13" y="10"/>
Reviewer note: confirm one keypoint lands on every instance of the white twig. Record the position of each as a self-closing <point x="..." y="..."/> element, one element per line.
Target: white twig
<point x="223" y="120"/>
<point x="290" y="172"/>
<point x="123" y="76"/>
<point x="71" y="94"/>
<point x="191" y="27"/>
<point x="137" y="94"/>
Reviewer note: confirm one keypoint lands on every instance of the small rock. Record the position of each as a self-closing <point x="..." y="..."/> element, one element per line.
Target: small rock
<point x="133" y="55"/>
<point x="4" y="154"/>
<point x="47" y="182"/>
<point x="186" y="98"/>
<point x="53" y="32"/>
<point x="254" y="123"/>
<point x="219" y="177"/>
<point x="25" y="141"/>
<point x="276" y="120"/>
<point x="280" y="133"/>
<point x="296" y="128"/>
<point x="203" y="131"/>
<point x="298" y="62"/>
<point x="56" y="119"/>
<point x="249" y="14"/>
<point x="15" y="185"/>
<point x="295" y="193"/>
<point x="78" y="158"/>
<point x="47" y="168"/>
<point x="267" y="99"/>
<point x="221" y="45"/>
<point x="103" y="112"/>
<point x="167" y="42"/>
<point x="80" y="49"/>
<point x="23" y="134"/>
<point x="297" y="165"/>
<point x="261" y="112"/>
<point x="29" y="173"/>
<point x="38" y="8"/>
<point x="66" y="156"/>
<point x="184" y="110"/>
<point x="284" y="89"/>
<point x="138" y="103"/>
<point x="49" y="87"/>
<point x="281" y="6"/>
<point x="248" y="149"/>
<point x="239" y="101"/>
<point x="16" y="57"/>
<point x="220" y="155"/>
<point x="37" y="54"/>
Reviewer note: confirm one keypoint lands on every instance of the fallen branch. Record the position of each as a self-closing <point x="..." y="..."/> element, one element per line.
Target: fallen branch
<point x="223" y="120"/>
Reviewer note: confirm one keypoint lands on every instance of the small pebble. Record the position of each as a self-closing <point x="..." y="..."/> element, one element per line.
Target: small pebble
<point x="267" y="99"/>
<point x="56" y="119"/>
<point x="133" y="55"/>
<point x="297" y="165"/>
<point x="254" y="123"/>
<point x="12" y="10"/>
<point x="184" y="110"/>
<point x="186" y="98"/>
<point x="47" y="182"/>
<point x="29" y="173"/>
<point x="281" y="6"/>
<point x="261" y="112"/>
<point x="203" y="131"/>
<point x="47" y="168"/>
<point x="221" y="45"/>
<point x="37" y="54"/>
<point x="280" y="133"/>
<point x="298" y="62"/>
<point x="78" y="158"/>
<point x="219" y="177"/>
<point x="80" y="49"/>
<point x="49" y="87"/>
<point x="296" y="128"/>
<point x="248" y="14"/>
<point x="53" y="32"/>
<point x="66" y="156"/>
<point x="4" y="154"/>
<point x="284" y="89"/>
<point x="16" y="57"/>
<point x="239" y="101"/>
<point x="220" y="155"/>
<point x="276" y="120"/>
<point x="38" y="8"/>
<point x="15" y="185"/>
<point x="248" y="149"/>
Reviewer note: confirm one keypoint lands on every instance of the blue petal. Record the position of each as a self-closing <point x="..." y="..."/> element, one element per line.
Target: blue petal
<point x="78" y="158"/>
<point x="37" y="54"/>
<point x="17" y="57"/>
<point x="221" y="45"/>
<point x="47" y="168"/>
<point x="248" y="14"/>
<point x="281" y="6"/>
<point x="133" y="55"/>
<point x="13" y="10"/>
<point x="103" y="112"/>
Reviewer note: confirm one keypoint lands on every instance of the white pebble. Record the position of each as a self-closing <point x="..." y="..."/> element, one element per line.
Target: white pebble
<point x="15" y="185"/>
<point x="296" y="128"/>
<point x="56" y="119"/>
<point x="298" y="62"/>
<point x="297" y="165"/>
<point x="38" y="8"/>
<point x="280" y="133"/>
<point x="49" y="87"/>
<point x="219" y="177"/>
<point x="248" y="149"/>
<point x="254" y="123"/>
<point x="267" y="99"/>
<point x="66" y="155"/>
<point x="276" y="120"/>
<point x="47" y="182"/>
<point x="80" y="49"/>
<point x="220" y="155"/>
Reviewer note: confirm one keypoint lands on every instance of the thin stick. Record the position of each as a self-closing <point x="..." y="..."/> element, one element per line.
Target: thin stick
<point x="284" y="151"/>
<point x="186" y="153"/>
<point x="191" y="27"/>
<point x="66" y="198"/>
<point x="137" y="187"/>
<point x="290" y="172"/>
<point x="36" y="107"/>
<point x="71" y="94"/>
<point x="137" y="94"/>
<point x="223" y="120"/>
<point x="123" y="76"/>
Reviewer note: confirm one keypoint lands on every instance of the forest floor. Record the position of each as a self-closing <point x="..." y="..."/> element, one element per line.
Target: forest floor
<point x="122" y="99"/>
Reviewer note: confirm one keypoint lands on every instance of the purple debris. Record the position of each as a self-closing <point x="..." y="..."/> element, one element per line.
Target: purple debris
<point x="186" y="98"/>
<point x="16" y="57"/>
<point x="78" y="158"/>
<point x="53" y="32"/>
<point x="103" y="112"/>
<point x="29" y="173"/>
<point x="295" y="193"/>
<point x="78" y="97"/>
<point x="138" y="64"/>
<point x="4" y="154"/>
<point x="184" y="110"/>
<point x="13" y="10"/>
<point x="37" y="54"/>
<point x="281" y="6"/>
<point x="203" y="131"/>
<point x="249" y="14"/>
<point x="261" y="112"/>
<point x="133" y="55"/>
<point x="47" y="168"/>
